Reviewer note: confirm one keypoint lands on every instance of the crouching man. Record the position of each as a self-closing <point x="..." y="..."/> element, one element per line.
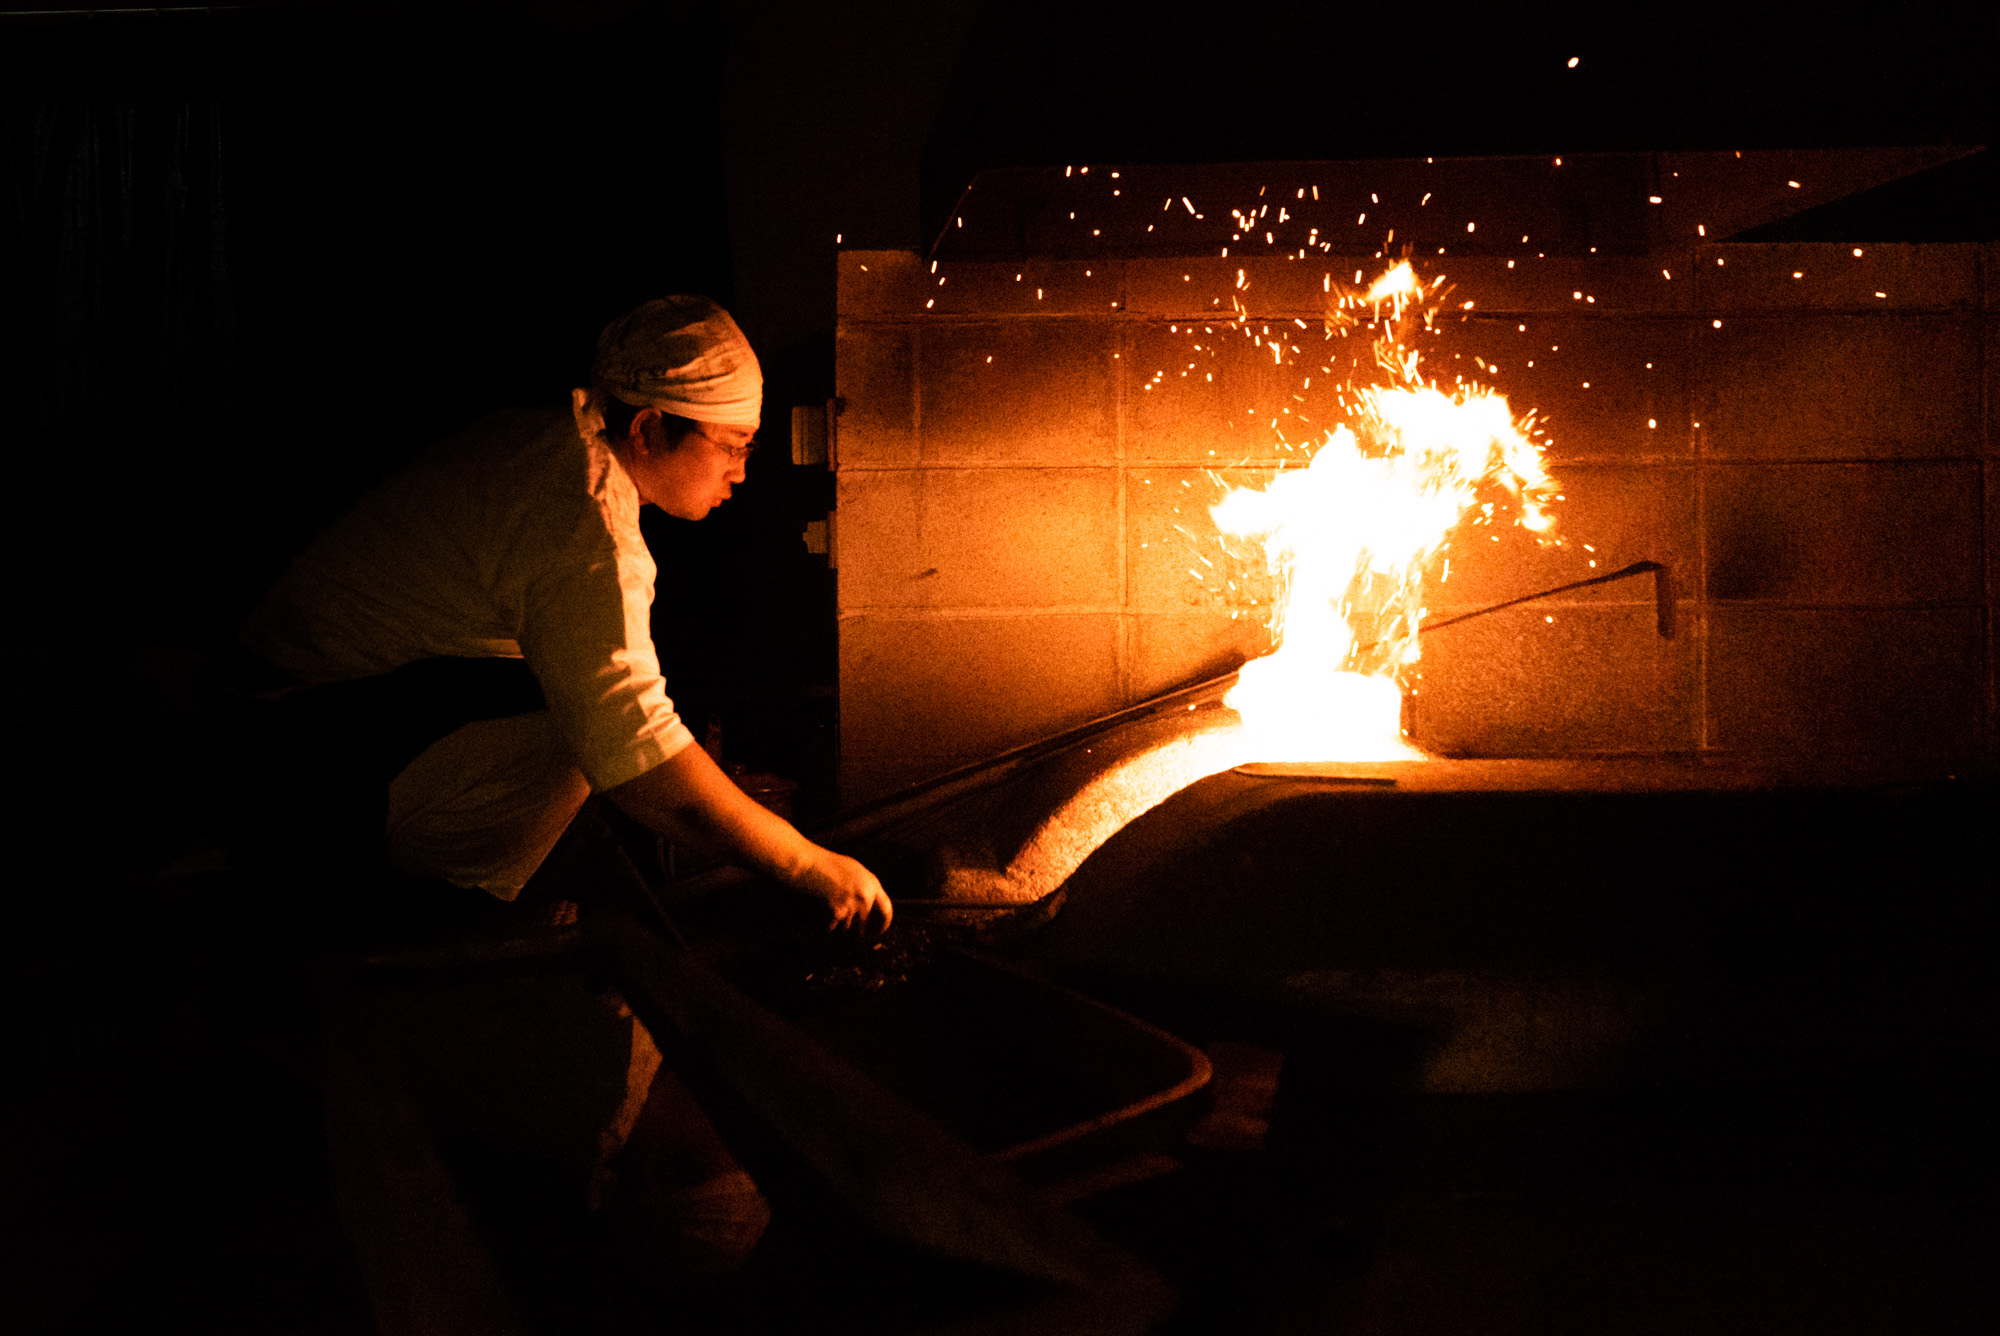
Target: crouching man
<point x="460" y="661"/>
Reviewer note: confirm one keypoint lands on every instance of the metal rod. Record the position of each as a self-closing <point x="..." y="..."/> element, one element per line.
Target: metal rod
<point x="855" y="823"/>
<point x="847" y="827"/>
<point x="1663" y="599"/>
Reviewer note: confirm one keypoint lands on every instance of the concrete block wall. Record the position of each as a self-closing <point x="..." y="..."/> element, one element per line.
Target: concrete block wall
<point x="1026" y="455"/>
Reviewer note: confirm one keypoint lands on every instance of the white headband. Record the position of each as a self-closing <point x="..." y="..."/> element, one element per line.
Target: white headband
<point x="685" y="356"/>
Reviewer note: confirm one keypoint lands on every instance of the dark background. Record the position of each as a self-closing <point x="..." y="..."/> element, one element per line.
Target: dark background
<point x="258" y="255"/>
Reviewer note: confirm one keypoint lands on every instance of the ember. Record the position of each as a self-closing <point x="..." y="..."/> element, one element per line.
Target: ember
<point x="1350" y="537"/>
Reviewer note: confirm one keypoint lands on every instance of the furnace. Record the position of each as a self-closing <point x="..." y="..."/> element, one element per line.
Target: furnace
<point x="1036" y="417"/>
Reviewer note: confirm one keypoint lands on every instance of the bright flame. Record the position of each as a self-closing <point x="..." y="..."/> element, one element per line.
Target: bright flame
<point x="1399" y="283"/>
<point x="1349" y="536"/>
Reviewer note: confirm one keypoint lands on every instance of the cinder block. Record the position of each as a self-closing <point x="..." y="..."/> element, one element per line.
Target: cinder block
<point x="1175" y="560"/>
<point x="1564" y="284"/>
<point x="1029" y="287"/>
<point x="1610" y="387"/>
<point x="879" y="285"/>
<point x="1202" y="392"/>
<point x="1019" y="392"/>
<point x="1276" y="286"/>
<point x="1599" y="388"/>
<point x="1537" y="681"/>
<point x="1263" y="286"/>
<point x="1893" y="683"/>
<point x="1626" y="513"/>
<point x="875" y="377"/>
<point x="919" y="695"/>
<point x="979" y="538"/>
<point x="880" y="556"/>
<point x="1839" y="386"/>
<point x="1166" y="650"/>
<point x="1183" y="288"/>
<point x="1844" y="533"/>
<point x="1825" y="276"/>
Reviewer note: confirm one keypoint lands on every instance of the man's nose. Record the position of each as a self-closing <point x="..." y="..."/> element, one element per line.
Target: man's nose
<point x="738" y="469"/>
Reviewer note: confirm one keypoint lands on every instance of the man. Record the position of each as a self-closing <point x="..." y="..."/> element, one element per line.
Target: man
<point x="520" y="540"/>
<point x="440" y="682"/>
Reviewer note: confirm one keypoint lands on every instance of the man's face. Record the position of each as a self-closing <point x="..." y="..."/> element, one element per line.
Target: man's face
<point x="694" y="477"/>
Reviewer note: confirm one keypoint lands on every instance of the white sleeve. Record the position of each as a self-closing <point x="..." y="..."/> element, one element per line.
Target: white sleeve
<point x="585" y="610"/>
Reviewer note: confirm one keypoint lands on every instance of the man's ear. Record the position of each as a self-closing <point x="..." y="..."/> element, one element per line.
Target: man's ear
<point x="645" y="423"/>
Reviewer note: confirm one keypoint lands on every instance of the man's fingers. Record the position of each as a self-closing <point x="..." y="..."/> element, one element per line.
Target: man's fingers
<point x="853" y="896"/>
<point x="875" y="910"/>
<point x="871" y="916"/>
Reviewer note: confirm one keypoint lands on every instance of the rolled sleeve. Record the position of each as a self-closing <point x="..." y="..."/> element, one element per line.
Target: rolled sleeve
<point x="586" y="632"/>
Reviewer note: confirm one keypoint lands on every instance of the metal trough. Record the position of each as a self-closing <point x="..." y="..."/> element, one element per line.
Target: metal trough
<point x="1072" y="1093"/>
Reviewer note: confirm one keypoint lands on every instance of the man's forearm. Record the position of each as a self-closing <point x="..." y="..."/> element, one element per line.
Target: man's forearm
<point x="687" y="797"/>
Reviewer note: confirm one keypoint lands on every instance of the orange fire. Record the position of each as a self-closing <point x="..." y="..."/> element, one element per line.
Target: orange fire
<point x="1350" y="538"/>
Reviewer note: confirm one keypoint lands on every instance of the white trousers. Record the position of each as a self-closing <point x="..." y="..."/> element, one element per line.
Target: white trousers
<point x="482" y="806"/>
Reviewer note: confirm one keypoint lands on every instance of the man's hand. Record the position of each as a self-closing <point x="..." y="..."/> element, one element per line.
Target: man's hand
<point x="688" y="798"/>
<point x="850" y="890"/>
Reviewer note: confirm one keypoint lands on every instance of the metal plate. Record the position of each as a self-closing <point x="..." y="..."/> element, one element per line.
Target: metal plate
<point x="1337" y="772"/>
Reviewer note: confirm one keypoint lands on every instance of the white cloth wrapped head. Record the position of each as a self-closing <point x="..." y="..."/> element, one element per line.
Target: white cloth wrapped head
<point x="682" y="355"/>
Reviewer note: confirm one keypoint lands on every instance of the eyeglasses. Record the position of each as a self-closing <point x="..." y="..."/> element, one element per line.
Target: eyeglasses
<point x="736" y="453"/>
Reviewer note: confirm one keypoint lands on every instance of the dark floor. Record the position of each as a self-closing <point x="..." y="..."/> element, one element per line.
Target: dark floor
<point x="1558" y="1258"/>
<point x="163" y="1156"/>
